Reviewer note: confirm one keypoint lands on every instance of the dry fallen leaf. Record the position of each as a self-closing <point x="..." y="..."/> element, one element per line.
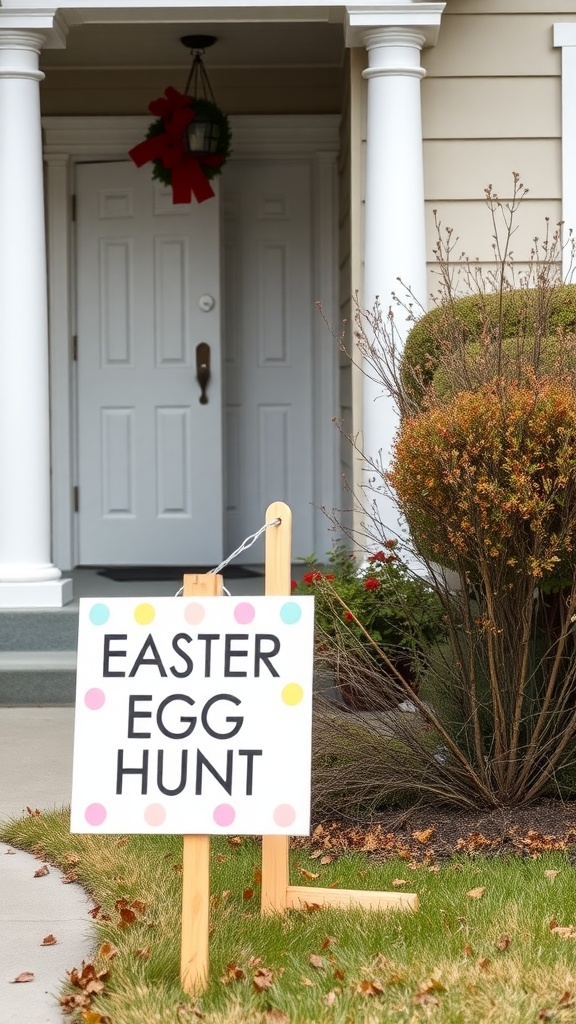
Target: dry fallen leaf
<point x="94" y="1017"/>
<point x="339" y="974"/>
<point x="306" y="982"/>
<point x="551" y="874"/>
<point x="143" y="953"/>
<point x="484" y="963"/>
<point x="309" y="874"/>
<point x="566" y="999"/>
<point x="400" y="881"/>
<point x="327" y="942"/>
<point x="10" y="853"/>
<point x="569" y="932"/>
<point x="316" y="961"/>
<point x="107" y="951"/>
<point x="235" y="840"/>
<point x="257" y="876"/>
<point x="247" y="894"/>
<point x="49" y="940"/>
<point x="22" y="978"/>
<point x="327" y="859"/>
<point x="503" y="942"/>
<point x="278" y="1016"/>
<point x="310" y="908"/>
<point x="476" y="894"/>
<point x="44" y="870"/>
<point x="369" y="988"/>
<point x="233" y="973"/>
<point x="424" y="836"/>
<point x="332" y="996"/>
<point x="263" y="979"/>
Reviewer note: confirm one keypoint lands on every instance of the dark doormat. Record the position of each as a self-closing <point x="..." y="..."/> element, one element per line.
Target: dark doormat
<point x="127" y="573"/>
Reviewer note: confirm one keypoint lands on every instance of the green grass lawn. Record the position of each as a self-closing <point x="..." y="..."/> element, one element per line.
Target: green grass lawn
<point x="492" y="956"/>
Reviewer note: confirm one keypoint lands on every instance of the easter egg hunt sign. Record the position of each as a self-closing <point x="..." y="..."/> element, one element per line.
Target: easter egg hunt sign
<point x="193" y="716"/>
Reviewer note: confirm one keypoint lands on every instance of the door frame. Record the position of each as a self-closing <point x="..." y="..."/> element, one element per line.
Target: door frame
<point x="72" y="140"/>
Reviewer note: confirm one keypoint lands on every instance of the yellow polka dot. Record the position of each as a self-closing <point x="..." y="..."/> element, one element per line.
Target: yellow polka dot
<point x="292" y="693"/>
<point x="144" y="614"/>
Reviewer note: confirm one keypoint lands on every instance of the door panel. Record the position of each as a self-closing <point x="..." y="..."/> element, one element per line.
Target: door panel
<point x="149" y="454"/>
<point x="268" y="346"/>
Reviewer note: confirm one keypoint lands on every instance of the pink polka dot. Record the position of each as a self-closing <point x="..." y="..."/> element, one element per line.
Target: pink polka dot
<point x="155" y="814"/>
<point x="94" y="698"/>
<point x="95" y="814"/>
<point x="284" y="815"/>
<point x="224" y="815"/>
<point x="194" y="613"/>
<point x="244" y="613"/>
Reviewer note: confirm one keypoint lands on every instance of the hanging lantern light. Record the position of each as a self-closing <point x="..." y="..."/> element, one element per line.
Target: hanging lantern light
<point x="190" y="142"/>
<point x="203" y="133"/>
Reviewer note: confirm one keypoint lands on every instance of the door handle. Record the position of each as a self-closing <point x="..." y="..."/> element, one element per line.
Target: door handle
<point x="203" y="369"/>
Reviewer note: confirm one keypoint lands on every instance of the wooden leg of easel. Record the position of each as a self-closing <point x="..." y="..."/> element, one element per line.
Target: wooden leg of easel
<point x="275" y="874"/>
<point x="275" y="869"/>
<point x="195" y="913"/>
<point x="194" y="960"/>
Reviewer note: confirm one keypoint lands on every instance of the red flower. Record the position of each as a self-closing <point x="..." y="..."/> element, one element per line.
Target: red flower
<point x="311" y="577"/>
<point x="329" y="576"/>
<point x="293" y="584"/>
<point x="391" y="544"/>
<point x="348" y="616"/>
<point x="382" y="557"/>
<point x="371" y="583"/>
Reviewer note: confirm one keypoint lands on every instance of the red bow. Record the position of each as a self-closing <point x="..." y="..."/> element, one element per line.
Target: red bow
<point x="188" y="178"/>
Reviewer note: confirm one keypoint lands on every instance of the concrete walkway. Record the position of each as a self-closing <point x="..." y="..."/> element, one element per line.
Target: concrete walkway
<point x="36" y="772"/>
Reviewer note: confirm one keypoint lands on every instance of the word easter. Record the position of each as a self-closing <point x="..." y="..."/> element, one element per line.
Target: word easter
<point x="219" y="655"/>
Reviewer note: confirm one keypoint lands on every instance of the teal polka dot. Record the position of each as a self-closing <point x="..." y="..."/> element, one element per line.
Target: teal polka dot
<point x="99" y="614"/>
<point x="290" y="613"/>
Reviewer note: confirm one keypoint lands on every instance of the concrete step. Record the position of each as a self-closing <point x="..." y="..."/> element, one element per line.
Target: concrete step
<point x="39" y="629"/>
<point x="35" y="677"/>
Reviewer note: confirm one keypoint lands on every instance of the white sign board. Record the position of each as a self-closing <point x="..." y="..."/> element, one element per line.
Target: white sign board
<point x="193" y="716"/>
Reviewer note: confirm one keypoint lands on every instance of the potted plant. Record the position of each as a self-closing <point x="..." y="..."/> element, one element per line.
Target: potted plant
<point x="373" y="618"/>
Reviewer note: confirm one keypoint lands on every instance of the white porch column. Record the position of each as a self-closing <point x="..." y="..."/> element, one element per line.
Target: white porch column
<point x="27" y="576"/>
<point x="394" y="228"/>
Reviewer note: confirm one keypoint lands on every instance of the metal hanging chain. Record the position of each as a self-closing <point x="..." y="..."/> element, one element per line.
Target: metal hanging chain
<point x="246" y="543"/>
<point x="198" y="79"/>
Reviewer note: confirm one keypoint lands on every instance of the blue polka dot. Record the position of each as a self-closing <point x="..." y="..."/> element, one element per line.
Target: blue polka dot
<point x="290" y="613"/>
<point x="99" y="614"/>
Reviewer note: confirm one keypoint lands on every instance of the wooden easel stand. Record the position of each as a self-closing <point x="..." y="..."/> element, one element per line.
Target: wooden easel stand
<point x="277" y="893"/>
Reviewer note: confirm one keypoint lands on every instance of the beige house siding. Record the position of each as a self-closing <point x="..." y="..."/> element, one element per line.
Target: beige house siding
<point x="491" y="106"/>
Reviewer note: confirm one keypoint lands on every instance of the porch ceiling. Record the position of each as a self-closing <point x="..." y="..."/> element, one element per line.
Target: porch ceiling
<point x="240" y="44"/>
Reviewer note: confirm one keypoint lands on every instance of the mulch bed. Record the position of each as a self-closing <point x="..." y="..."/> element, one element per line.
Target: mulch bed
<point x="429" y="834"/>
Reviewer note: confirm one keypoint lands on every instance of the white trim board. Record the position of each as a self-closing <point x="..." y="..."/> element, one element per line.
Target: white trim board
<point x="565" y="36"/>
<point x="70" y="140"/>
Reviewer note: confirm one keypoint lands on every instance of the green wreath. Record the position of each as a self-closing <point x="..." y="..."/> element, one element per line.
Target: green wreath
<point x="214" y="114"/>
